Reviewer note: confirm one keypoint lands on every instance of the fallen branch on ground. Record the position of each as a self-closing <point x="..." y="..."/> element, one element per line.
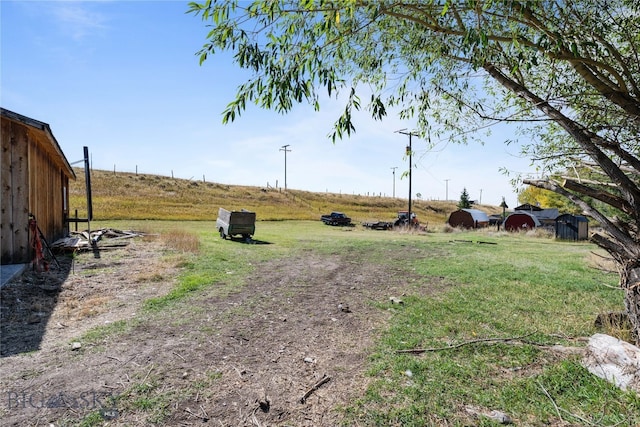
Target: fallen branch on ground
<point x="462" y="344"/>
<point x="558" y="409"/>
<point x="325" y="379"/>
<point x="148" y="373"/>
<point x="204" y="417"/>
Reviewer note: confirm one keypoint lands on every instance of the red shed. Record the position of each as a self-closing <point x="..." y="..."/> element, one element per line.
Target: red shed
<point x="468" y="218"/>
<point x="521" y="220"/>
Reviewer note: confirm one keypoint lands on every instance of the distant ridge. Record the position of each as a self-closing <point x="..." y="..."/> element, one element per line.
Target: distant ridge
<point x="122" y="195"/>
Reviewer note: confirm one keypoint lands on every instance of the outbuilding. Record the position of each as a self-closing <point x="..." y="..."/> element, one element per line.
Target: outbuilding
<point x="468" y="218"/>
<point x="35" y="180"/>
<point x="546" y="216"/>
<point x="521" y="220"/>
<point x="572" y="227"/>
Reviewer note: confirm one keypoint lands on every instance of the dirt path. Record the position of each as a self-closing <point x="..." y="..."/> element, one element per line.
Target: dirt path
<point x="290" y="348"/>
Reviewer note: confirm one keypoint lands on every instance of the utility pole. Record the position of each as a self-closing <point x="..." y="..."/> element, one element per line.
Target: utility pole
<point x="394" y="181"/>
<point x="409" y="152"/>
<point x="446" y="183"/>
<point x="285" y="149"/>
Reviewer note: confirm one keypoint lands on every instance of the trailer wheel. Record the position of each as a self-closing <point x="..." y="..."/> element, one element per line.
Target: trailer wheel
<point x="222" y="235"/>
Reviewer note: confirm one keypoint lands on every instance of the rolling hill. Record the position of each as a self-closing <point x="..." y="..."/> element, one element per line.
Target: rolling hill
<point x="122" y="195"/>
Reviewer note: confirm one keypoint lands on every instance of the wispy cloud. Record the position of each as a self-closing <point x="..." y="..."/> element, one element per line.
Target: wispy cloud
<point x="78" y="19"/>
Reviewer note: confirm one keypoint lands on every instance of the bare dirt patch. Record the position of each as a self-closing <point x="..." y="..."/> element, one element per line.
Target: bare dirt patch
<point x="39" y="310"/>
<point x="289" y="348"/>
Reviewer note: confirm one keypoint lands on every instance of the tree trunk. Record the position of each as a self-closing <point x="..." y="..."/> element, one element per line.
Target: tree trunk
<point x="619" y="241"/>
<point x="630" y="282"/>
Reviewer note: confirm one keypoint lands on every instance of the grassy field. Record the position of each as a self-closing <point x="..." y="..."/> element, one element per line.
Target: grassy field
<point x="130" y="196"/>
<point x="484" y="341"/>
<point x="485" y="338"/>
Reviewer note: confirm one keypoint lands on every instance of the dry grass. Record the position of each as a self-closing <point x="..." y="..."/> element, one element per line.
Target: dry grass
<point x="611" y="323"/>
<point x="601" y="261"/>
<point x="616" y="325"/>
<point x="149" y="277"/>
<point x="181" y="240"/>
<point x="540" y="232"/>
<point x="73" y="308"/>
<point x="130" y="196"/>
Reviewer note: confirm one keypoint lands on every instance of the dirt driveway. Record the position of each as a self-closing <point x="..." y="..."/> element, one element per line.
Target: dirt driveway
<point x="289" y="348"/>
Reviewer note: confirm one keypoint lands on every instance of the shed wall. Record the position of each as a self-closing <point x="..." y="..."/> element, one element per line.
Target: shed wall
<point x="570" y="227"/>
<point x="14" y="227"/>
<point x="461" y="219"/>
<point x="468" y="218"/>
<point x="33" y="181"/>
<point x="47" y="187"/>
<point x="517" y="221"/>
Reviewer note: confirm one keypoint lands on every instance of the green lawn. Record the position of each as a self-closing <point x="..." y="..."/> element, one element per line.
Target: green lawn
<point x="527" y="293"/>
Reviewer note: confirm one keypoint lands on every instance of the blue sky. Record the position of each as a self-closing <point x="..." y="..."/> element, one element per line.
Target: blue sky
<point x="123" y="78"/>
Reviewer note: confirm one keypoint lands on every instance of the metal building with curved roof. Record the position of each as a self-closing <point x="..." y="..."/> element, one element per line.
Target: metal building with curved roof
<point x="521" y="220"/>
<point x="468" y="218"/>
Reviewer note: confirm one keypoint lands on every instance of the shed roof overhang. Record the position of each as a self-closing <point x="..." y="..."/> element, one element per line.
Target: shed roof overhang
<point x="45" y="130"/>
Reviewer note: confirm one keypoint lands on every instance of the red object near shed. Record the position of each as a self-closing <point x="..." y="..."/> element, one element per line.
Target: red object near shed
<point x="521" y="221"/>
<point x="468" y="218"/>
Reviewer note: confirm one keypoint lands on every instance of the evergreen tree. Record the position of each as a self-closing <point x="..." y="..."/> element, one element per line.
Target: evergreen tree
<point x="464" y="202"/>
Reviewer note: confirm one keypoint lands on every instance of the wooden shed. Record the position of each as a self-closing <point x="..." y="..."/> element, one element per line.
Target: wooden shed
<point x="35" y="180"/>
<point x="468" y="218"/>
<point x="572" y="227"/>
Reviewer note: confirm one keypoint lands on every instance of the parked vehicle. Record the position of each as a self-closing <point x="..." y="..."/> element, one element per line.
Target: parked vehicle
<point x="232" y="223"/>
<point x="401" y="220"/>
<point x="404" y="220"/>
<point x="378" y="225"/>
<point x="336" y="218"/>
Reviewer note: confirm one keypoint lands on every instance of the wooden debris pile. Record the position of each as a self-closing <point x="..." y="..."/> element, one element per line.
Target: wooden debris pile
<point x="80" y="240"/>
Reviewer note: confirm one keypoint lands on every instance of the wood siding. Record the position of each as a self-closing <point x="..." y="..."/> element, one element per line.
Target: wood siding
<point x="35" y="179"/>
<point x="15" y="194"/>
